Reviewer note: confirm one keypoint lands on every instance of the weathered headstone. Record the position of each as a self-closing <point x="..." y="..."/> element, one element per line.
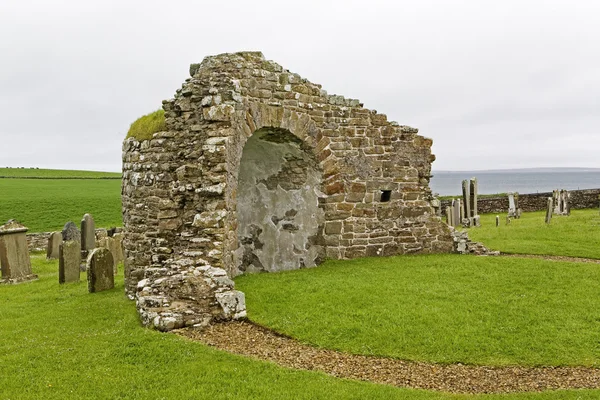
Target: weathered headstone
<point x="449" y="215"/>
<point x="71" y="232"/>
<point x="69" y="262"/>
<point x="119" y="252"/>
<point x="560" y="200"/>
<point x="100" y="273"/>
<point x="476" y="221"/>
<point x="456" y="217"/>
<point x="549" y="210"/>
<point x="474" y="187"/>
<point x="512" y="209"/>
<point x="466" y="192"/>
<point x="113" y="244"/>
<point x="54" y="241"/>
<point x="497" y="220"/>
<point x="101" y="233"/>
<point x="88" y="233"/>
<point x="14" y="253"/>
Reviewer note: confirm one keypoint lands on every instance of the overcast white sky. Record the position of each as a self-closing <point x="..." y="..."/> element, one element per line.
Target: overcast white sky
<point x="496" y="84"/>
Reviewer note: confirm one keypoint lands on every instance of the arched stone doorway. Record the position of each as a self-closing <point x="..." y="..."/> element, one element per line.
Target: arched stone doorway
<point x="278" y="204"/>
<point x="259" y="169"/>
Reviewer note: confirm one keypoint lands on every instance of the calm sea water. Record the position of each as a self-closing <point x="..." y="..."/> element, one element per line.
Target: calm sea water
<point x="449" y="183"/>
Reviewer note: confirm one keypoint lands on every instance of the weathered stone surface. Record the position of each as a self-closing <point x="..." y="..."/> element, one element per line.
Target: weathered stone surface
<point x="69" y="262"/>
<point x="100" y="272"/>
<point x="14" y="254"/>
<point x="54" y="241"/>
<point x="261" y="170"/>
<point x="71" y="232"/>
<point x="88" y="233"/>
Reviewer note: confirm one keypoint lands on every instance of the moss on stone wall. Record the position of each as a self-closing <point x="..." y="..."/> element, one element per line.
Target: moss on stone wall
<point x="144" y="127"/>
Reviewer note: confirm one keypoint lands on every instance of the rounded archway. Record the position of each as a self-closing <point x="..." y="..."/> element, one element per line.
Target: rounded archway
<point x="278" y="212"/>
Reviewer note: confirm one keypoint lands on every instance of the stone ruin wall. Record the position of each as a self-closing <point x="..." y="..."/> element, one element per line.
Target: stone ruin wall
<point x="578" y="199"/>
<point x="261" y="170"/>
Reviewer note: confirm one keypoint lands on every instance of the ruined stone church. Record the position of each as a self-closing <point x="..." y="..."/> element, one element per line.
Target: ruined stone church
<point x="260" y="170"/>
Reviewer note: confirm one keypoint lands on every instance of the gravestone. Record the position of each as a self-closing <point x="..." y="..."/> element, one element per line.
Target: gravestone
<point x="14" y="253"/>
<point x="88" y="233"/>
<point x="560" y="200"/>
<point x="119" y="253"/>
<point x="549" y="210"/>
<point x="456" y="212"/>
<point x="69" y="262"/>
<point x="54" y="241"/>
<point x="474" y="187"/>
<point x="100" y="273"/>
<point x="101" y="233"/>
<point x="449" y="215"/>
<point x="114" y="246"/>
<point x="466" y="192"/>
<point x="512" y="209"/>
<point x="497" y="220"/>
<point x="70" y="232"/>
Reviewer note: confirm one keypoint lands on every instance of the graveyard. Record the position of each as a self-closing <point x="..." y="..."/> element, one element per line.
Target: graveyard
<point x="153" y="284"/>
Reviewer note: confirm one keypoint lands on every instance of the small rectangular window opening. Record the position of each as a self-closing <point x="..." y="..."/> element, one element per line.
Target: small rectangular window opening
<point x="386" y="195"/>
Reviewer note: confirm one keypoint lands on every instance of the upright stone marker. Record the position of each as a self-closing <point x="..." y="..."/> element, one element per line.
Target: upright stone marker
<point x="512" y="209"/>
<point x="474" y="187"/>
<point x="466" y="192"/>
<point x="497" y="220"/>
<point x="100" y="273"/>
<point x="53" y="247"/>
<point x="449" y="215"/>
<point x="549" y="210"/>
<point x="456" y="221"/>
<point x="14" y="254"/>
<point x="88" y="233"/>
<point x="69" y="262"/>
<point x="71" y="232"/>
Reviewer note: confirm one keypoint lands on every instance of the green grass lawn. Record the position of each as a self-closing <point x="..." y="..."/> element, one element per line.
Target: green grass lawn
<point x="59" y="342"/>
<point x="577" y="235"/>
<point x="45" y="205"/>
<point x="56" y="173"/>
<point x="440" y="308"/>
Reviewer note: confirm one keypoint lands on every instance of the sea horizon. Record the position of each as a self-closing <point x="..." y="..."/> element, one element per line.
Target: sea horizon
<point x="522" y="180"/>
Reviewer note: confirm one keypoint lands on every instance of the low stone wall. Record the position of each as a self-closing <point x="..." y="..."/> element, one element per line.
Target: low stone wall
<point x="39" y="241"/>
<point x="579" y="199"/>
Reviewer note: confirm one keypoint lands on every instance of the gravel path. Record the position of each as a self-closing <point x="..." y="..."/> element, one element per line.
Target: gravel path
<point x="553" y="258"/>
<point x="254" y="341"/>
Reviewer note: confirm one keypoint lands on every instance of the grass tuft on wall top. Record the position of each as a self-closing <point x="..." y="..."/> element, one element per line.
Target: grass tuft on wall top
<point x="144" y="127"/>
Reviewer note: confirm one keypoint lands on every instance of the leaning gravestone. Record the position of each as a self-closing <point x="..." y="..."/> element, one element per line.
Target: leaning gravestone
<point x="88" y="233"/>
<point x="100" y="273"/>
<point x="14" y="253"/>
<point x="69" y="262"/>
<point x="54" y="242"/>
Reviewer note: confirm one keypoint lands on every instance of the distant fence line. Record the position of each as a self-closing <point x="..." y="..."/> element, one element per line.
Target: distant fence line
<point x="579" y="199"/>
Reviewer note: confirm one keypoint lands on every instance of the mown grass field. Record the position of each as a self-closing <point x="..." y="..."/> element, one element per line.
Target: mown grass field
<point x="45" y="205"/>
<point x="59" y="342"/>
<point x="440" y="308"/>
<point x="56" y="173"/>
<point x="577" y="235"/>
